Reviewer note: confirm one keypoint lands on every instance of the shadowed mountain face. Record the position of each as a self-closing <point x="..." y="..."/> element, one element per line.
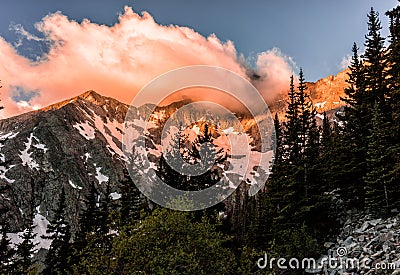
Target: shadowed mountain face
<point x="70" y="144"/>
<point x="76" y="143"/>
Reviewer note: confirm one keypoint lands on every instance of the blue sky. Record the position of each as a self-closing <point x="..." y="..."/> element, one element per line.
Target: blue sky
<point x="317" y="34"/>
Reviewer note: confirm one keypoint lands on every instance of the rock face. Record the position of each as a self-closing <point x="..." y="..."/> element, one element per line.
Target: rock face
<point x="373" y="245"/>
<point x="325" y="95"/>
<point x="67" y="145"/>
<point x="72" y="145"/>
<point x="326" y="92"/>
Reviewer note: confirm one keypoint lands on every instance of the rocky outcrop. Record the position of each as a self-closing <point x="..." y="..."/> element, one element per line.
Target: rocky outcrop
<point x="326" y="92"/>
<point x="325" y="95"/>
<point x="365" y="246"/>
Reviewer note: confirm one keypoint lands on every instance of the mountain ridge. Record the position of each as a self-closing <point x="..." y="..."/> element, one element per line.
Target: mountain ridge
<point x="70" y="145"/>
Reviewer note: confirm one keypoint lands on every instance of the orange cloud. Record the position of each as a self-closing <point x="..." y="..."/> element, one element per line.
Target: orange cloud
<point x="118" y="60"/>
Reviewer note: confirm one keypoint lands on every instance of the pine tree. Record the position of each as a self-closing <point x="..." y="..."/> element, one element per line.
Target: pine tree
<point x="132" y="202"/>
<point x="165" y="172"/>
<point x="394" y="68"/>
<point x="291" y="126"/>
<point x="58" y="231"/>
<point x="87" y="225"/>
<point x="6" y="251"/>
<point x="292" y="192"/>
<point x="394" y="87"/>
<point x="352" y="136"/>
<point x="103" y="212"/>
<point x="375" y="61"/>
<point x="94" y="239"/>
<point x="326" y="134"/>
<point x="378" y="179"/>
<point x="201" y="146"/>
<point x="266" y="205"/>
<point x="88" y="219"/>
<point x="308" y="138"/>
<point x="25" y="250"/>
<point x="379" y="110"/>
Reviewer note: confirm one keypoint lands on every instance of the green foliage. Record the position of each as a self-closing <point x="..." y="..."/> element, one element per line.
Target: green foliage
<point x="167" y="242"/>
<point x="379" y="182"/>
<point x="294" y="242"/>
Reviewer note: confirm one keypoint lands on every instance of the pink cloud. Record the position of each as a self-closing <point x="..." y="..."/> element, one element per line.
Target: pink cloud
<point x="118" y="60"/>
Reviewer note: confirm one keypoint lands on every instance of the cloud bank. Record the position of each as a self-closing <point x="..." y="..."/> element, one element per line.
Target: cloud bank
<point x="118" y="60"/>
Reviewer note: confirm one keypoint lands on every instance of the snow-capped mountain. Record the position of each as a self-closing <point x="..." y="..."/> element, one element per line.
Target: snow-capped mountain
<point x="78" y="142"/>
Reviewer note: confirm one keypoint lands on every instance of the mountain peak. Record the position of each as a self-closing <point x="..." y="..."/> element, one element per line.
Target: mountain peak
<point x="91" y="96"/>
<point x="88" y="96"/>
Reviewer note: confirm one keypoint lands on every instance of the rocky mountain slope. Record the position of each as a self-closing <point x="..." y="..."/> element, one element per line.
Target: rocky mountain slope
<point x="76" y="143"/>
<point x="70" y="144"/>
<point x="326" y="92"/>
<point x="325" y="95"/>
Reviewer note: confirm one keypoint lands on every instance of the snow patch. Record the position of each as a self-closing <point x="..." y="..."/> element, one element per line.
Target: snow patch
<point x="3" y="171"/>
<point x="87" y="156"/>
<point x="8" y="135"/>
<point x="74" y="186"/>
<point x="229" y="130"/>
<point x="99" y="176"/>
<point x="85" y="130"/>
<point x="109" y="130"/>
<point x="3" y="137"/>
<point x="158" y="115"/>
<point x="41" y="146"/>
<point x="115" y="196"/>
<point x="26" y="157"/>
<point x="41" y="223"/>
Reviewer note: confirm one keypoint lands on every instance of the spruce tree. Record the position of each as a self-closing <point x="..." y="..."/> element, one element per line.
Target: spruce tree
<point x="7" y="252"/>
<point x="87" y="225"/>
<point x="132" y="201"/>
<point x="378" y="179"/>
<point x="26" y="250"/>
<point x="58" y="231"/>
<point x="375" y="62"/>
<point x="266" y="205"/>
<point x="103" y="212"/>
<point x="379" y="110"/>
<point x="88" y="219"/>
<point x="291" y="126"/>
<point x="394" y="87"/>
<point x="352" y="131"/>
<point x="326" y="134"/>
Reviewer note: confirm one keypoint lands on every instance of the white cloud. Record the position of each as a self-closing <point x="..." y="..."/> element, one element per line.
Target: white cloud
<point x="119" y="60"/>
